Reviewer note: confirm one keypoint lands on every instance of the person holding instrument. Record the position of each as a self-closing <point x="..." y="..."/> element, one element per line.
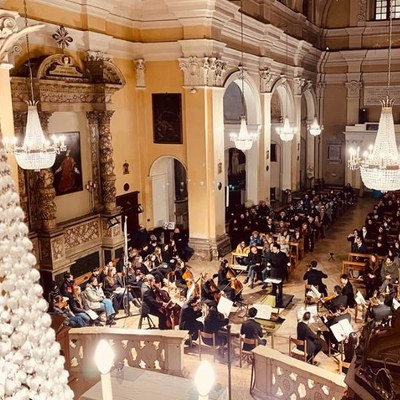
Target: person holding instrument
<point x="251" y="329"/>
<point x="314" y="277"/>
<point x="210" y="294"/>
<point x="190" y="311"/>
<point x="224" y="280"/>
<point x="213" y="322"/>
<point x="336" y="301"/>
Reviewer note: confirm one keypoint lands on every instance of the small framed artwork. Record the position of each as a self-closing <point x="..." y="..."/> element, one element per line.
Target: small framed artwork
<point x="167" y="118"/>
<point x="334" y="152"/>
<point x="67" y="168"/>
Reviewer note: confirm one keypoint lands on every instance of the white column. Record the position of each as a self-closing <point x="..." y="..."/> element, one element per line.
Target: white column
<point x="265" y="149"/>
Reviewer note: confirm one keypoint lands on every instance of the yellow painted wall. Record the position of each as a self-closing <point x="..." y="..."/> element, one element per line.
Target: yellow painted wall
<point x="338" y="15"/>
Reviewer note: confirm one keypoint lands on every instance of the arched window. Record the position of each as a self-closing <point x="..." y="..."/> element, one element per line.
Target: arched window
<point x="382" y="9"/>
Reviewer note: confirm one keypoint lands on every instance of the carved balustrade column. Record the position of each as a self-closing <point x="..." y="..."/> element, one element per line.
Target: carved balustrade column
<point x="107" y="175"/>
<point x="47" y="192"/>
<point x="93" y="119"/>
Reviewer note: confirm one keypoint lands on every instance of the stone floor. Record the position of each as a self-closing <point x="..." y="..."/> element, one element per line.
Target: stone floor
<point x="334" y="242"/>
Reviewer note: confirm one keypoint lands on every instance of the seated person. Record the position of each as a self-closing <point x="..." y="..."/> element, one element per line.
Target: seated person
<point x="254" y="265"/>
<point x="347" y="290"/>
<point x="255" y="239"/>
<point x="60" y="306"/>
<point x="304" y="332"/>
<point x="99" y="275"/>
<point x="66" y="287"/>
<point x="209" y="293"/>
<point x="358" y="246"/>
<point x="251" y="329"/>
<point x="190" y="311"/>
<point x="338" y="301"/>
<point x="76" y="305"/>
<point x="224" y="283"/>
<point x="332" y="320"/>
<point x="150" y="304"/>
<point x="314" y="277"/>
<point x="96" y="300"/>
<point x="390" y="270"/>
<point x="213" y="322"/>
<point x="241" y="248"/>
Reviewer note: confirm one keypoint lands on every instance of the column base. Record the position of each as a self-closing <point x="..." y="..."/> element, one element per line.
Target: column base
<point x="210" y="249"/>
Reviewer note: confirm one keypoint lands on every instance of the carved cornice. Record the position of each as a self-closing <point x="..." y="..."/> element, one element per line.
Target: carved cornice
<point x="267" y="80"/>
<point x="298" y="84"/>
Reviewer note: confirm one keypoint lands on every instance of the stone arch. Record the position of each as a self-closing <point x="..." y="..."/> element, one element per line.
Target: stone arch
<point x="286" y="97"/>
<point x="311" y="103"/>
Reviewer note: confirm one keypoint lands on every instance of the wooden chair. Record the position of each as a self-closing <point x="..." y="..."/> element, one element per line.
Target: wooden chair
<point x="214" y="347"/>
<point x="150" y="323"/>
<point x="299" y="354"/>
<point x="246" y="354"/>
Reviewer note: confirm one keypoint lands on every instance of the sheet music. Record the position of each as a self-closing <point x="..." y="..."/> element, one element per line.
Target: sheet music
<point x="190" y="291"/>
<point x="359" y="298"/>
<point x="225" y="306"/>
<point x="273" y="280"/>
<point x="341" y="330"/>
<point x="263" y="311"/>
<point x="395" y="304"/>
<point x="315" y="292"/>
<point x="312" y="309"/>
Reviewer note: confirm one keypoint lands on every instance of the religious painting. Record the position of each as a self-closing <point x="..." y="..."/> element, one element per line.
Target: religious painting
<point x="237" y="169"/>
<point x="167" y="118"/>
<point x="67" y="168"/>
<point x="334" y="152"/>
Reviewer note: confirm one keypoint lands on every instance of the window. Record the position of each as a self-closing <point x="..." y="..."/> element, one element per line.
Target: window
<point x="382" y="9"/>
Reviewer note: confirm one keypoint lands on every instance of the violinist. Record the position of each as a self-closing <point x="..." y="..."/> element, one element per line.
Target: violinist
<point x="314" y="342"/>
<point x="332" y="319"/>
<point x="224" y="282"/>
<point x="181" y="275"/>
<point x="210" y="293"/>
<point x="150" y="304"/>
<point x="336" y="301"/>
<point x="314" y="277"/>
<point x="190" y="311"/>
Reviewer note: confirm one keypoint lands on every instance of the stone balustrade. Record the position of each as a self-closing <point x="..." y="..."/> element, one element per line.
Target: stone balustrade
<point x="159" y="350"/>
<point x="278" y="376"/>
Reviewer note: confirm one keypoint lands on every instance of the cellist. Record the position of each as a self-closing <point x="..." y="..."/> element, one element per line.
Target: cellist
<point x="224" y="281"/>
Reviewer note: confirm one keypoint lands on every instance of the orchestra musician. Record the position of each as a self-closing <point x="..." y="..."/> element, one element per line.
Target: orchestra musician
<point x="337" y="300"/>
<point x="332" y="319"/>
<point x="190" y="311"/>
<point x="210" y="293"/>
<point x="213" y="323"/>
<point x="251" y="329"/>
<point x="347" y="290"/>
<point x="314" y="342"/>
<point x="314" y="277"/>
<point x="150" y="305"/>
<point x="225" y="275"/>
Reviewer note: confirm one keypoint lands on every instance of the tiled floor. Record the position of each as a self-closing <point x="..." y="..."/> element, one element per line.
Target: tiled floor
<point x="334" y="242"/>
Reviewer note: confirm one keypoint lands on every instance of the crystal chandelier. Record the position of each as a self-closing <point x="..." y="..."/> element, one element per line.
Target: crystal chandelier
<point x="380" y="166"/>
<point x="286" y="131"/>
<point x="35" y="153"/>
<point x="243" y="140"/>
<point x="315" y="129"/>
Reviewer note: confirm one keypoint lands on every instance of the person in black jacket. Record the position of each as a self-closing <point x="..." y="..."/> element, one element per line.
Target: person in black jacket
<point x="150" y="304"/>
<point x="254" y="262"/>
<point x="213" y="323"/>
<point x="66" y="287"/>
<point x="279" y="265"/>
<point x="224" y="283"/>
<point x="337" y="302"/>
<point x="314" y="277"/>
<point x="251" y="329"/>
<point x="304" y="332"/>
<point x="347" y="290"/>
<point x="190" y="311"/>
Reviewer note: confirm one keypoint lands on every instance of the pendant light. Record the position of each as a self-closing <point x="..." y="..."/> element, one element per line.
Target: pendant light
<point x="286" y="132"/>
<point x="244" y="140"/>
<point x="315" y="129"/>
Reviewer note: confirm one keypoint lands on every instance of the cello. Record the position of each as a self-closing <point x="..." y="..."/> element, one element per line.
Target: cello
<point x="235" y="284"/>
<point x="171" y="310"/>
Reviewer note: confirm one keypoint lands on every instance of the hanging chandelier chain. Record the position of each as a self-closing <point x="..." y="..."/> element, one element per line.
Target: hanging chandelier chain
<point x="390" y="44"/>
<point x="28" y="51"/>
<point x="241" y="49"/>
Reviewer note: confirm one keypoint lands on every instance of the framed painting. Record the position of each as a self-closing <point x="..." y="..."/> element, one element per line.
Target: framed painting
<point x="167" y="118"/>
<point x="334" y="152"/>
<point x="67" y="168"/>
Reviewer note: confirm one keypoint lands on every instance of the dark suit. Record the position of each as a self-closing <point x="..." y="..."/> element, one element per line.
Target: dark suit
<point x="329" y="336"/>
<point x="150" y="305"/>
<point x="279" y="270"/>
<point x="212" y="324"/>
<point x="314" y="277"/>
<point x="251" y="329"/>
<point x="348" y="291"/>
<point x="337" y="303"/>
<point x="188" y="320"/>
<point x="313" y="342"/>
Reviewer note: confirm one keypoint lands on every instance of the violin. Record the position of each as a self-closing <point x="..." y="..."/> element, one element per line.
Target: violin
<point x="171" y="310"/>
<point x="215" y="291"/>
<point x="328" y="298"/>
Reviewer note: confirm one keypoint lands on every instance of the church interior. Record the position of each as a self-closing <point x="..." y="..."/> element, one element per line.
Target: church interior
<point x="199" y="199"/>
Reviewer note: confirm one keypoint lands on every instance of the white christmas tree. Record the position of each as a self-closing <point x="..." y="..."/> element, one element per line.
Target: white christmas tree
<point x="31" y="367"/>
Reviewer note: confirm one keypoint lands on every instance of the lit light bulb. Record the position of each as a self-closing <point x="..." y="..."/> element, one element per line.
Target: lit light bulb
<point x="204" y="379"/>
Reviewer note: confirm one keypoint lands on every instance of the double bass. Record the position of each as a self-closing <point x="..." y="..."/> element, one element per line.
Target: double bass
<point x="171" y="310"/>
<point x="235" y="284"/>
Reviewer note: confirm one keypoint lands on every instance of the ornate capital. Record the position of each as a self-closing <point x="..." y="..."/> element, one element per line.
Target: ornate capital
<point x="96" y="55"/>
<point x="140" y="73"/>
<point x="298" y="84"/>
<point x="194" y="71"/>
<point x="353" y="89"/>
<point x="362" y="15"/>
<point x="216" y="72"/>
<point x="267" y="80"/>
<point x="9" y="33"/>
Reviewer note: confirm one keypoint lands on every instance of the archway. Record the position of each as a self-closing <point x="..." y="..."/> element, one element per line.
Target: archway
<point x="237" y="103"/>
<point x="169" y="192"/>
